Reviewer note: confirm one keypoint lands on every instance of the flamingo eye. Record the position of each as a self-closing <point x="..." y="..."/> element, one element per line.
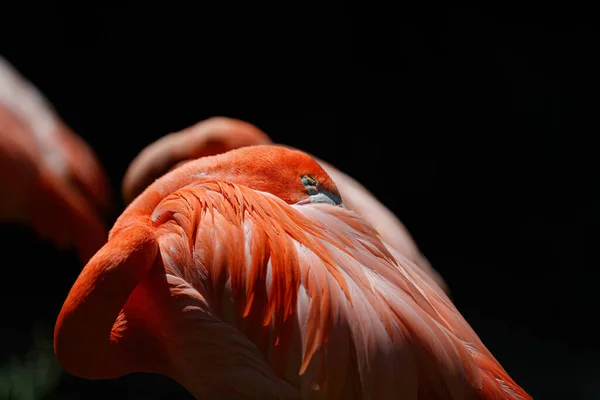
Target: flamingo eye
<point x="317" y="194"/>
<point x="308" y="180"/>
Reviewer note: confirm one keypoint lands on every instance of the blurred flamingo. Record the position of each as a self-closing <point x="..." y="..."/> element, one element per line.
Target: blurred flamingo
<point x="50" y="178"/>
<point x="243" y="276"/>
<point x="220" y="134"/>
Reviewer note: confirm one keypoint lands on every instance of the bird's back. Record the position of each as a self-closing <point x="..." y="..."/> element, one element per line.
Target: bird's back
<point x="328" y="307"/>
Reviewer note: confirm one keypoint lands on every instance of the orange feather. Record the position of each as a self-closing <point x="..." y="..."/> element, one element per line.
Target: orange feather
<point x="224" y="277"/>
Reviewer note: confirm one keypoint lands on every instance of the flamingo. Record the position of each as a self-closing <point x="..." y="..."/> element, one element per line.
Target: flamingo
<point x="243" y="276"/>
<point x="50" y="178"/>
<point x="220" y="134"/>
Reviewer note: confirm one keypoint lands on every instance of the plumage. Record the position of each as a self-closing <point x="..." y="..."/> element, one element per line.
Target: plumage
<point x="221" y="276"/>
<point x="219" y="134"/>
<point x="50" y="178"/>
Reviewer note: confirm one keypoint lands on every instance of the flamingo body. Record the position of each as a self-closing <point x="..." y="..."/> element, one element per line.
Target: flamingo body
<point x="50" y="178"/>
<point x="244" y="276"/>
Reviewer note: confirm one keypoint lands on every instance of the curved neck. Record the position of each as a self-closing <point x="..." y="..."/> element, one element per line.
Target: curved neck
<point x="86" y="338"/>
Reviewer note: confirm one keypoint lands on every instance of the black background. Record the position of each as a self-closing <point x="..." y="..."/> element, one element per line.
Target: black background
<point x="475" y="126"/>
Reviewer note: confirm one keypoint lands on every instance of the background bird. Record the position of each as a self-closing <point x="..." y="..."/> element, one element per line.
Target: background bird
<point x="242" y="276"/>
<point x="220" y="134"/>
<point x="50" y="179"/>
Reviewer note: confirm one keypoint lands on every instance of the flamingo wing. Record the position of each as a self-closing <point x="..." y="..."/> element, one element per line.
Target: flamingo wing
<point x="331" y="308"/>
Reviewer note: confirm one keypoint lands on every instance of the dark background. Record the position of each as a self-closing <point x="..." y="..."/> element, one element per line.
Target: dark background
<point x="475" y="126"/>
